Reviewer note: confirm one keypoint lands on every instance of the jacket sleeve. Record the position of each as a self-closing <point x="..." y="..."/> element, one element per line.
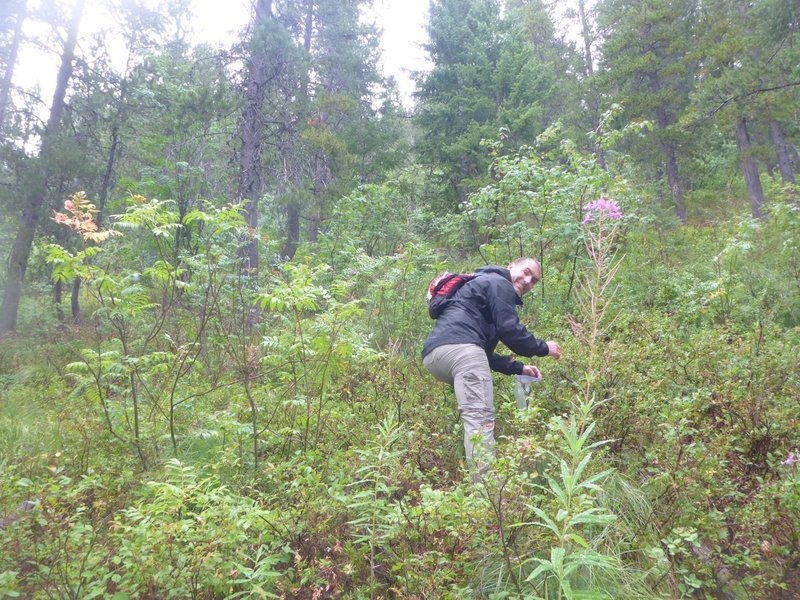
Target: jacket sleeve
<point x="505" y="364"/>
<point x="502" y="304"/>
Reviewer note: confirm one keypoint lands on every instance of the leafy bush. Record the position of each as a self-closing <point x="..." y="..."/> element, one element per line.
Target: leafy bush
<point x="184" y="536"/>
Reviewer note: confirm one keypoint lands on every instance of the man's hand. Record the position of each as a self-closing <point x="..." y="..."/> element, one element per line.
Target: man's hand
<point x="554" y="350"/>
<point x="532" y="371"/>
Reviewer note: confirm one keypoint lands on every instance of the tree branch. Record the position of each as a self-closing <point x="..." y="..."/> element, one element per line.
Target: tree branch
<point x="752" y="93"/>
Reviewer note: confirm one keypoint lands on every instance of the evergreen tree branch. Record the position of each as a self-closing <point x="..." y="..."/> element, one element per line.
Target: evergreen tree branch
<point x="753" y="93"/>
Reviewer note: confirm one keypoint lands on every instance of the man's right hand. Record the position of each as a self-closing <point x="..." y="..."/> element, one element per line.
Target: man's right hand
<point x="554" y="350"/>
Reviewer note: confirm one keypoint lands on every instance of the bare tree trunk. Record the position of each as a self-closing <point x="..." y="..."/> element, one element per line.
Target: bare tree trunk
<point x="293" y="209"/>
<point x="675" y="184"/>
<point x="594" y="102"/>
<point x="292" y="231"/>
<point x="309" y="26"/>
<point x="587" y="38"/>
<point x="750" y="169"/>
<point x="314" y="222"/>
<point x="252" y="130"/>
<point x="36" y="184"/>
<point x="75" y="303"/>
<point x="11" y="61"/>
<point x="322" y="174"/>
<point x="671" y="160"/>
<point x="57" y="294"/>
<point x="108" y="175"/>
<point x="795" y="156"/>
<point x="321" y="178"/>
<point x="782" y="152"/>
<point x="21" y="249"/>
<point x="659" y="177"/>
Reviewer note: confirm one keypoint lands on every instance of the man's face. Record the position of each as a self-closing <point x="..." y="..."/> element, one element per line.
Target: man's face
<point x="524" y="276"/>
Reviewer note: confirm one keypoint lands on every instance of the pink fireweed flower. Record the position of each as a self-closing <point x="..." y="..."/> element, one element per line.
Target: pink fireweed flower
<point x="604" y="208"/>
<point x="792" y="458"/>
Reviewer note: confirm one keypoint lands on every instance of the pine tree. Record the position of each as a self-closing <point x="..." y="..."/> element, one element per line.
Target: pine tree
<point x="749" y="82"/>
<point x="486" y="76"/>
<point x="12" y="15"/>
<point x="648" y="67"/>
<point x="35" y="183"/>
<point x="339" y="128"/>
<point x="252" y="126"/>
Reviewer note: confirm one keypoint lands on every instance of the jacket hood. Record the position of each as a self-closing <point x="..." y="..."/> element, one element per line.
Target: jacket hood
<point x="502" y="271"/>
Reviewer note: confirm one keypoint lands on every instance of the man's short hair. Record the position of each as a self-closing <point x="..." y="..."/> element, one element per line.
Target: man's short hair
<point x="521" y="260"/>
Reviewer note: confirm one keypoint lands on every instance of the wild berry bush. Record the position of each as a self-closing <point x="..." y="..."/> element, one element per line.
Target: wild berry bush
<point x="208" y="434"/>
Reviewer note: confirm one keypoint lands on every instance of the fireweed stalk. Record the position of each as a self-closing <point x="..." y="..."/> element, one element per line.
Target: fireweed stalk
<point x="595" y="292"/>
<point x="573" y="514"/>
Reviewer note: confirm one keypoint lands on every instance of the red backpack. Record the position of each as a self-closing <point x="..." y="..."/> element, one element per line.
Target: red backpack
<point x="444" y="287"/>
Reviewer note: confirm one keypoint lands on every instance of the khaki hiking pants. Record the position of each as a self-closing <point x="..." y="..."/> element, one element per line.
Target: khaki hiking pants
<point x="466" y="368"/>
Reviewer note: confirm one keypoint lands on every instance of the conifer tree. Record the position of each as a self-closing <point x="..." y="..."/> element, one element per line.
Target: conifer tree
<point x="36" y="180"/>
<point x="338" y="123"/>
<point x="12" y="15"/>
<point x="343" y="71"/>
<point x="456" y="101"/>
<point x="749" y="82"/>
<point x="485" y="77"/>
<point x="252" y="126"/>
<point x="648" y="67"/>
<point x="585" y="91"/>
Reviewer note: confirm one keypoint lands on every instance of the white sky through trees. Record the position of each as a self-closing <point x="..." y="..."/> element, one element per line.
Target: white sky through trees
<point x="218" y="22"/>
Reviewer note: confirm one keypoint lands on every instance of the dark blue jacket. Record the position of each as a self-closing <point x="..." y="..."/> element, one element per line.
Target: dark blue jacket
<point x="484" y="312"/>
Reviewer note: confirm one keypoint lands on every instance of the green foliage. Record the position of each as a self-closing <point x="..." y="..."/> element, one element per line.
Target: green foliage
<point x="160" y="537"/>
<point x="208" y="433"/>
<point x="573" y="499"/>
<point x="485" y="77"/>
<point x="315" y="455"/>
<point x="376" y="220"/>
<point x="376" y="518"/>
<point x="183" y="534"/>
<point x="537" y="201"/>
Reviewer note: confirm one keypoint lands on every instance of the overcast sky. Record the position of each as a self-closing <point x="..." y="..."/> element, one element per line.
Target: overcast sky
<point x="402" y="21"/>
<point x="218" y="21"/>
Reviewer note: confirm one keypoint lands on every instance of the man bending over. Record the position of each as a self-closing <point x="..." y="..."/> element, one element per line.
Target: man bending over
<point x="460" y="350"/>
